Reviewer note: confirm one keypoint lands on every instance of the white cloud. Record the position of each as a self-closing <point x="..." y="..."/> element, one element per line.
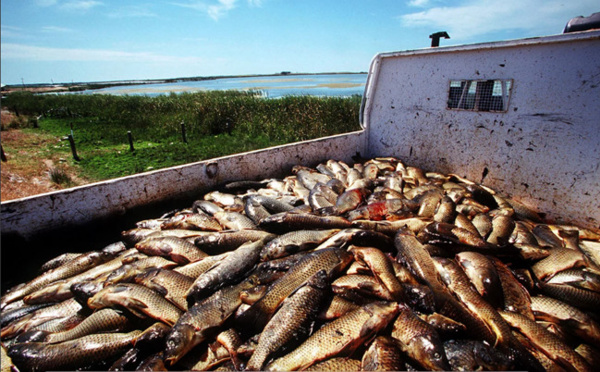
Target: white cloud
<point x="473" y="18"/>
<point x="215" y="10"/>
<point x="12" y="51"/>
<point x="132" y="11"/>
<point x="55" y="29"/>
<point x="418" y="3"/>
<point x="80" y="5"/>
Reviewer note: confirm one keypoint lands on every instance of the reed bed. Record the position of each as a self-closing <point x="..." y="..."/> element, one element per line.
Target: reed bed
<point x="217" y="123"/>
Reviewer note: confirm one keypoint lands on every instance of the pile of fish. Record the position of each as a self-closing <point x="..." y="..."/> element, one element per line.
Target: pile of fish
<point x="374" y="266"/>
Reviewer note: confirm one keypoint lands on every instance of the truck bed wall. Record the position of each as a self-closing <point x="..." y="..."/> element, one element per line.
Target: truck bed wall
<point x="543" y="151"/>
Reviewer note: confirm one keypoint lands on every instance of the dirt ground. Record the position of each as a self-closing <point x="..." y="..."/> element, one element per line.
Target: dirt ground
<point x="27" y="169"/>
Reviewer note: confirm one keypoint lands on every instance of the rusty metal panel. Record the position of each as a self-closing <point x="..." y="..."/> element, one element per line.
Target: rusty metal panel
<point x="544" y="151"/>
<point x="80" y="205"/>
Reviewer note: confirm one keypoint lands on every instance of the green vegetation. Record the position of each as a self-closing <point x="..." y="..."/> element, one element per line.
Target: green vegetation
<point x="217" y="123"/>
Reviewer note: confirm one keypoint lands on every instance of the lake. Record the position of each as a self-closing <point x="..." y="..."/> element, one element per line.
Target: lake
<point x="269" y="86"/>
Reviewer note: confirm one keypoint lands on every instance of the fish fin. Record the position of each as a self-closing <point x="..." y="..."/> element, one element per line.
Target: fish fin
<point x="136" y="306"/>
<point x="158" y="288"/>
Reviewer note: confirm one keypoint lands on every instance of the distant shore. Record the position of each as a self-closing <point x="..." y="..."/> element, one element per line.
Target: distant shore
<point x="79" y="86"/>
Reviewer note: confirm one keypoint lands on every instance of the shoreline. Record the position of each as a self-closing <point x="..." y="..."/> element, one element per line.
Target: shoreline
<point x="80" y="86"/>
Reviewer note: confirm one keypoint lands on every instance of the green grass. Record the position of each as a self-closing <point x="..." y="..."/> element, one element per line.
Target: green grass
<point x="217" y="124"/>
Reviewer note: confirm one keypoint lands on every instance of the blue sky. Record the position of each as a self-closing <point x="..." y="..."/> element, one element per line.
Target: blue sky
<point x="44" y="41"/>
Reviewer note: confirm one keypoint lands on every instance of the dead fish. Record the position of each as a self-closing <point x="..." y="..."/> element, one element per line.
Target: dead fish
<point x="70" y="355"/>
<point x="309" y="177"/>
<point x="7" y="364"/>
<point x="445" y="232"/>
<point x="473" y="355"/>
<point x="331" y="260"/>
<point x="359" y="288"/>
<point x="559" y="259"/>
<point x="319" y="198"/>
<point x="548" y="343"/>
<point x="350" y="200"/>
<point x="443" y="324"/>
<point x="382" y="355"/>
<point x="148" y="342"/>
<point x="483" y="224"/>
<point x="390" y="228"/>
<point x="381" y="210"/>
<point x="515" y="295"/>
<point x="76" y="266"/>
<point x="382" y="269"/>
<point x="61" y="290"/>
<point x="483" y="275"/>
<point x="139" y="300"/>
<point x="128" y="271"/>
<point x="339" y="337"/>
<point x="589" y="353"/>
<point x="255" y="210"/>
<point x="579" y="297"/>
<point x="577" y="277"/>
<point x="419" y="340"/>
<point x="337" y="307"/>
<point x="429" y="202"/>
<point x="154" y="362"/>
<point x="172" y="285"/>
<point x="292" y="319"/>
<point x="575" y="321"/>
<point x="192" y="221"/>
<point x="195" y="269"/>
<point x="546" y="237"/>
<point x="202" y="318"/>
<point x="224" y="241"/>
<point x="458" y="282"/>
<point x="415" y="256"/>
<point x="104" y="320"/>
<point x="205" y="206"/>
<point x="11" y="315"/>
<point x="336" y="364"/>
<point x="59" y="310"/>
<point x="234" y="221"/>
<point x="295" y="241"/>
<point x="176" y="249"/>
<point x="226" y="201"/>
<point x="227" y="271"/>
<point x="58" y="261"/>
<point x="205" y="357"/>
<point x="287" y="221"/>
<point x="231" y="340"/>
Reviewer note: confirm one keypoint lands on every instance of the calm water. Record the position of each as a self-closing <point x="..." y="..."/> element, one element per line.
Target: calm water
<point x="269" y="86"/>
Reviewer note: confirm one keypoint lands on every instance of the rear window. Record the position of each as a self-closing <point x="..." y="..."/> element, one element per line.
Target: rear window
<point x="479" y="95"/>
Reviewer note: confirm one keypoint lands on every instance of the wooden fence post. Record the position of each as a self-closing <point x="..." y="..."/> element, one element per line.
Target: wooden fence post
<point x="183" y="135"/>
<point x="73" y="150"/>
<point x="130" y="138"/>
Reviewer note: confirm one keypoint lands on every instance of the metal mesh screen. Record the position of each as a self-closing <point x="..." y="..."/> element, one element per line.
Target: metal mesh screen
<point x="479" y="95"/>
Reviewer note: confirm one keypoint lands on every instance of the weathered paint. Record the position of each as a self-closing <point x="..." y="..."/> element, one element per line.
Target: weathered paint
<point x="544" y="151"/>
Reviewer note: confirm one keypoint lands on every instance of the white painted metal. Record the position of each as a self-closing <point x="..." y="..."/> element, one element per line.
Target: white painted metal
<point x="30" y="216"/>
<point x="545" y="151"/>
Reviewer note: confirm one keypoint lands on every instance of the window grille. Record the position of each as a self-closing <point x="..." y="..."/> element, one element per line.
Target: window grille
<point x="479" y="95"/>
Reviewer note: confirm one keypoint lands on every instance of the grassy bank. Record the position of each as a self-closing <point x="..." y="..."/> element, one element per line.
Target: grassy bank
<point x="216" y="123"/>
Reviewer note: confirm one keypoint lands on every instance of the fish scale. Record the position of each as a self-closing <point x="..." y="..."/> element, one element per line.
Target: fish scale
<point x="331" y="260"/>
<point x="341" y="336"/>
<point x="70" y="355"/>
